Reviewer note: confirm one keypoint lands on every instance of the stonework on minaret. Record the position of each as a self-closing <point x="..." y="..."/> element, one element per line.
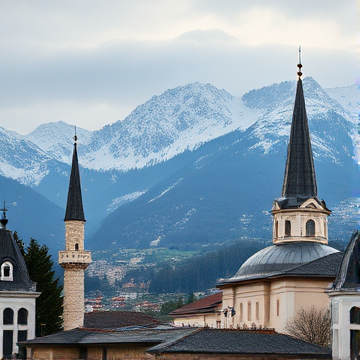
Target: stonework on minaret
<point x="74" y="260"/>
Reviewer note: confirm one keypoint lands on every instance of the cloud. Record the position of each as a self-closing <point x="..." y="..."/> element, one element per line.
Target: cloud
<point x="95" y="61"/>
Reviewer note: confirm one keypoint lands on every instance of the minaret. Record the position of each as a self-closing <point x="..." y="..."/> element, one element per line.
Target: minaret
<point x="74" y="260"/>
<point x="299" y="215"/>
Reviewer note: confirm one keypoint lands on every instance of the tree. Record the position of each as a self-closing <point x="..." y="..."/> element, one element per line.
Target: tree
<point x="312" y="325"/>
<point x="49" y="305"/>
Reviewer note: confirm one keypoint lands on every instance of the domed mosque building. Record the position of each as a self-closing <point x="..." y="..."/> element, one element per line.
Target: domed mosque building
<point x="293" y="273"/>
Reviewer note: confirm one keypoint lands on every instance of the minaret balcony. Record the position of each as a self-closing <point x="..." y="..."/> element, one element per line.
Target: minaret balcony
<point x="74" y="256"/>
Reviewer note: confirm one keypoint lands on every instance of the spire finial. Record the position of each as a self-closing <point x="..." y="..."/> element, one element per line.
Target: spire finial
<point x="3" y="220"/>
<point x="75" y="136"/>
<point x="299" y="65"/>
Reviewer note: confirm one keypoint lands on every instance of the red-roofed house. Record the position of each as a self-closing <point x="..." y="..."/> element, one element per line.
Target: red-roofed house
<point x="203" y="312"/>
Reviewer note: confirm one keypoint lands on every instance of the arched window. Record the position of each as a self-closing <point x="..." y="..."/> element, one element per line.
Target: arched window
<point x="249" y="311"/>
<point x="310" y="228"/>
<point x="355" y="315"/>
<point x="6" y="271"/>
<point x="276" y="229"/>
<point x="76" y="247"/>
<point x="287" y="228"/>
<point x="8" y="316"/>
<point x="22" y="316"/>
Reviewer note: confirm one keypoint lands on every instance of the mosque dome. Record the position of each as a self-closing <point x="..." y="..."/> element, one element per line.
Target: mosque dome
<point x="276" y="259"/>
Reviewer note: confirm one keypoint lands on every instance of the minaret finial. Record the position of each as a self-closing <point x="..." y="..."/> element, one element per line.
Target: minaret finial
<point x="4" y="220"/>
<point x="75" y="136"/>
<point x="299" y="65"/>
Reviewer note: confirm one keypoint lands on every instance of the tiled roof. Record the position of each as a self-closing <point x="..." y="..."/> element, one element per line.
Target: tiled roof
<point x="347" y="278"/>
<point x="326" y="266"/>
<point x="83" y="336"/>
<point x="117" y="319"/>
<point x="224" y="341"/>
<point x="205" y="305"/>
<point x="9" y="251"/>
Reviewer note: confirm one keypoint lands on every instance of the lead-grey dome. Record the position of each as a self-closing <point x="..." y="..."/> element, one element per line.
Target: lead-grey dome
<point x="278" y="258"/>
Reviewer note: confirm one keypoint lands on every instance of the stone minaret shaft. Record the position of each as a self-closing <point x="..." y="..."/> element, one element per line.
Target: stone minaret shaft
<point x="74" y="260"/>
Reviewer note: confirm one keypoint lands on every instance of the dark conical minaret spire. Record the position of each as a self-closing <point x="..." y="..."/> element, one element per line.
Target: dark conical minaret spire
<point x="74" y="206"/>
<point x="299" y="215"/>
<point x="299" y="179"/>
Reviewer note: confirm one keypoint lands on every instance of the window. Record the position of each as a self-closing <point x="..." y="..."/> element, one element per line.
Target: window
<point x="8" y="316"/>
<point x="276" y="229"/>
<point x="355" y="315"/>
<point x="83" y="353"/>
<point x="287" y="228"/>
<point x="22" y="336"/>
<point x="257" y="310"/>
<point x="218" y="324"/>
<point x="7" y="343"/>
<point x="22" y="316"/>
<point x="249" y="311"/>
<point x="6" y="271"/>
<point x="310" y="228"/>
<point x="104" y="354"/>
<point x="76" y="247"/>
<point x="241" y="312"/>
<point x="277" y="307"/>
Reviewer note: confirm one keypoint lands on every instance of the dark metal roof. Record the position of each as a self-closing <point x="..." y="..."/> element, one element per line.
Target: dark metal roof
<point x="83" y="336"/>
<point x="117" y="319"/>
<point x="225" y="341"/>
<point x="299" y="179"/>
<point x="278" y="259"/>
<point x="74" y="206"/>
<point x="348" y="276"/>
<point x="9" y="251"/>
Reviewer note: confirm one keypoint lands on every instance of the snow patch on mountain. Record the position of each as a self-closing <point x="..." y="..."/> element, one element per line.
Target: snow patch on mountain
<point x="124" y="199"/>
<point x="165" y="191"/>
<point x="349" y="98"/>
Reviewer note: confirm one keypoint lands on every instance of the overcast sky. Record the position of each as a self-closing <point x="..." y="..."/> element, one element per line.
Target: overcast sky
<point x="90" y="63"/>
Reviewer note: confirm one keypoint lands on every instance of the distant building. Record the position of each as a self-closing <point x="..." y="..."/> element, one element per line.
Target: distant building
<point x="204" y="312"/>
<point x="17" y="296"/>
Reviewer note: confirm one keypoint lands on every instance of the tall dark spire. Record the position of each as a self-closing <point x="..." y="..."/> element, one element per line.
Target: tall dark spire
<point x="74" y="207"/>
<point x="300" y="179"/>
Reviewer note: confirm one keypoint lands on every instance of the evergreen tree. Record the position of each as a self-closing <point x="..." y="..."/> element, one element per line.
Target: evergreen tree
<point x="49" y="305"/>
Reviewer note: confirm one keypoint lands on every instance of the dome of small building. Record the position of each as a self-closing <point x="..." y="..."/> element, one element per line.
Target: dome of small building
<point x="278" y="258"/>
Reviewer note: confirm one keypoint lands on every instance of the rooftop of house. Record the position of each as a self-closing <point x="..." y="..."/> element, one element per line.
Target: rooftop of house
<point x="117" y="319"/>
<point x="18" y="278"/>
<point x="226" y="341"/>
<point x="165" y="339"/>
<point x="205" y="305"/>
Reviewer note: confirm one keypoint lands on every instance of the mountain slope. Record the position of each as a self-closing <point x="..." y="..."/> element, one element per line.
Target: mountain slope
<point x="224" y="192"/>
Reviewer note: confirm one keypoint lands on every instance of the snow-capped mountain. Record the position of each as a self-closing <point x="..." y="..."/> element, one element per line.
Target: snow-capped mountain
<point x="180" y="119"/>
<point x="189" y="161"/>
<point x="229" y="182"/>
<point x="56" y="139"/>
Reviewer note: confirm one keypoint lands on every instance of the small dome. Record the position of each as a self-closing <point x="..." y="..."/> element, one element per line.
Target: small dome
<point x="277" y="258"/>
